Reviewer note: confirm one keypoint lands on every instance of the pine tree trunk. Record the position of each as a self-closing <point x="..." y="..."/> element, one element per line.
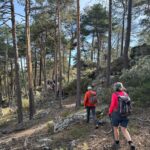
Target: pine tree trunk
<point x="78" y="100"/>
<point x="98" y="51"/>
<point x="128" y="35"/>
<point x="63" y="68"/>
<point x="17" y="79"/>
<point x="59" y="51"/>
<point x="35" y="69"/>
<point x="123" y="24"/>
<point x="23" y="76"/>
<point x="43" y="69"/>
<point x="29" y="61"/>
<point x="118" y="43"/>
<point x="1" y="97"/>
<point x="40" y="71"/>
<point x="109" y="43"/>
<point x="92" y="49"/>
<point x="6" y="72"/>
<point x="11" y="79"/>
<point x="69" y="63"/>
<point x="56" y="60"/>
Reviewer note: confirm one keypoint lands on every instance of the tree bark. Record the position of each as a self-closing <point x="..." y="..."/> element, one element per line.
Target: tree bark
<point x="59" y="51"/>
<point x="128" y="34"/>
<point x="29" y="61"/>
<point x="109" y="43"/>
<point x="40" y="71"/>
<point x="43" y="63"/>
<point x="17" y="79"/>
<point x="78" y="100"/>
<point x="11" y="80"/>
<point x="35" y="69"/>
<point x="69" y="63"/>
<point x="56" y="58"/>
<point x="123" y="24"/>
<point x="98" y="50"/>
<point x="1" y="97"/>
<point x="92" y="49"/>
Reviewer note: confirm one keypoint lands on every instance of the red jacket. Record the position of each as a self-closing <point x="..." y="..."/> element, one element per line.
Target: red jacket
<point x="114" y="101"/>
<point x="86" y="98"/>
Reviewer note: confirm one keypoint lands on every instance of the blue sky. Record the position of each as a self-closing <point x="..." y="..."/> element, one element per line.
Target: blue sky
<point x="83" y="3"/>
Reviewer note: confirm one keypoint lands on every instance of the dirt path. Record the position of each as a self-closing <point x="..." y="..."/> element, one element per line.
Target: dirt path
<point x="25" y="133"/>
<point x="80" y="136"/>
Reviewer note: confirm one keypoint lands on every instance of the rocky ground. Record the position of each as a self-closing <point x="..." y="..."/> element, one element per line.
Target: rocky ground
<point x="39" y="134"/>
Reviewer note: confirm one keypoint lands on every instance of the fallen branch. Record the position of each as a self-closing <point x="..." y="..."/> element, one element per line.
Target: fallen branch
<point x="139" y="119"/>
<point x="107" y="132"/>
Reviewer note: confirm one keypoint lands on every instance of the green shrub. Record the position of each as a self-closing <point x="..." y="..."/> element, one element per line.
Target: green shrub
<point x="137" y="81"/>
<point x="140" y="95"/>
<point x="105" y="95"/>
<point x="50" y="127"/>
<point x="25" y="104"/>
<point x="71" y="88"/>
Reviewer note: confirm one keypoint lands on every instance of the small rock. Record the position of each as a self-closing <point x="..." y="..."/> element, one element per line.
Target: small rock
<point x="47" y="140"/>
<point x="92" y="136"/>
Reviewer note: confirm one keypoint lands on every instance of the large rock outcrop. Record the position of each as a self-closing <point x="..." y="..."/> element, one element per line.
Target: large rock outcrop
<point x="140" y="51"/>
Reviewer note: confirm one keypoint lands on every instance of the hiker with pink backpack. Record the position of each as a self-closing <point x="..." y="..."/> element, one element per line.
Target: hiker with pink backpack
<point x="119" y="110"/>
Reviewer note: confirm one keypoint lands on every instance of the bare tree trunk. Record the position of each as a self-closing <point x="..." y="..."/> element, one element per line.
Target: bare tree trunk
<point x="118" y="43"/>
<point x="69" y="63"/>
<point x="42" y="47"/>
<point x="98" y="51"/>
<point x="24" y="77"/>
<point x="6" y="71"/>
<point x="1" y="97"/>
<point x="29" y="61"/>
<point x="59" y="51"/>
<point x="17" y="80"/>
<point x="56" y="59"/>
<point x="123" y="25"/>
<point x="92" y="49"/>
<point x="40" y="71"/>
<point x="11" y="80"/>
<point x="109" y="43"/>
<point x="128" y="34"/>
<point x="63" y="68"/>
<point x="35" y="69"/>
<point x="78" y="100"/>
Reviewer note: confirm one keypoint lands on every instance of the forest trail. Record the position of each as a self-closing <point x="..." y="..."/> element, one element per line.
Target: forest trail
<point x="21" y="134"/>
<point x="79" y="136"/>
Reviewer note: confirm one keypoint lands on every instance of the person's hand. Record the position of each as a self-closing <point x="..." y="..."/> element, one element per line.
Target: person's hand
<point x="109" y="115"/>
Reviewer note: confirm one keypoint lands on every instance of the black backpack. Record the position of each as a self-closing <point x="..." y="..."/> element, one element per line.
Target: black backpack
<point x="124" y="105"/>
<point x="93" y="98"/>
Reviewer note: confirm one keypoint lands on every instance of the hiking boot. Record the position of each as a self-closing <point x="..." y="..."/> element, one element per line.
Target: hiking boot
<point x="115" y="146"/>
<point x="132" y="146"/>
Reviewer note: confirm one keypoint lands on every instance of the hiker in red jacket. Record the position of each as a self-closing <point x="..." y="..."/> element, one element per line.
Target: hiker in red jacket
<point x="90" y="101"/>
<point x="117" y="119"/>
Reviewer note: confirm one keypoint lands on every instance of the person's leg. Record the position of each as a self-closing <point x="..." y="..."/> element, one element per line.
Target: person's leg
<point x="94" y="117"/>
<point x="128" y="137"/>
<point x="116" y="144"/>
<point x="88" y="114"/>
<point x="126" y="133"/>
<point x="93" y="114"/>
<point x="116" y="133"/>
<point x="115" y="120"/>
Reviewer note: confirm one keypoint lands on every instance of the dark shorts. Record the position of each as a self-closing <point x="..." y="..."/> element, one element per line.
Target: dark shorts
<point x="119" y="120"/>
